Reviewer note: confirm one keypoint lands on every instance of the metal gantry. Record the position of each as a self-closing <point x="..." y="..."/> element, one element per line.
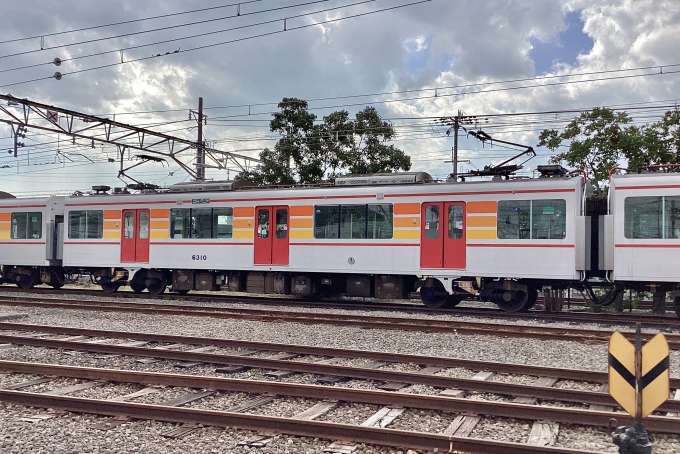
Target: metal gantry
<point x="156" y="146"/>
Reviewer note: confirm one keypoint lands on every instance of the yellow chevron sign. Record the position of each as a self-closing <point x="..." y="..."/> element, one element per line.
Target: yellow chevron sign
<point x="639" y="377"/>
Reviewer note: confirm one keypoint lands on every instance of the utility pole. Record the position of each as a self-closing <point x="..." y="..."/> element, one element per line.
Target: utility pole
<point x="200" y="150"/>
<point x="455" y="124"/>
<point x="454" y="151"/>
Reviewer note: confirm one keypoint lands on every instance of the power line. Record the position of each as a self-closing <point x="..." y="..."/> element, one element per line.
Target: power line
<point x="169" y="27"/>
<point x="224" y="42"/>
<point x="131" y="21"/>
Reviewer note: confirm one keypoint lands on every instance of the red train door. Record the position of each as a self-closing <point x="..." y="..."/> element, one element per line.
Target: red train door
<point x="134" y="242"/>
<point x="431" y="236"/>
<point x="271" y="235"/>
<point x="454" y="237"/>
<point x="442" y="237"/>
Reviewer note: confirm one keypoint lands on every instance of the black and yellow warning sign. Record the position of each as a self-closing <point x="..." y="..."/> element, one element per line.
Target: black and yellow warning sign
<point x="639" y="377"/>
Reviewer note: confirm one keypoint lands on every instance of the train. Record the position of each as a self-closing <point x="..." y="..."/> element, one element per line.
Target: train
<point x="502" y="240"/>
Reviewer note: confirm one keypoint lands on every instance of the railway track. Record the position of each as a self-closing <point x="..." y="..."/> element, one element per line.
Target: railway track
<point x="374" y="322"/>
<point x="391" y="404"/>
<point x="405" y="306"/>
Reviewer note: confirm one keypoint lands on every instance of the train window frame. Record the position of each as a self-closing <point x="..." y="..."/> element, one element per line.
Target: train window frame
<point x="456" y="222"/>
<point x="324" y="227"/>
<point x="660" y="213"/>
<point x="527" y="219"/>
<point x="93" y="228"/>
<point x="373" y="221"/>
<point x="180" y="223"/>
<point x="202" y="223"/>
<point x="27" y="231"/>
<point x="281" y="222"/>
<point x="224" y="230"/>
<point x="353" y="222"/>
<point x="377" y="229"/>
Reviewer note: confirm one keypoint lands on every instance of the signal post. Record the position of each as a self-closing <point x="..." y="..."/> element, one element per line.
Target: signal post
<point x="639" y="380"/>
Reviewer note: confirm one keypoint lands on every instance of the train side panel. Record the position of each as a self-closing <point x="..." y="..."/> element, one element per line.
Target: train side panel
<point x="646" y="233"/>
<point x="24" y="231"/>
<point x="515" y="229"/>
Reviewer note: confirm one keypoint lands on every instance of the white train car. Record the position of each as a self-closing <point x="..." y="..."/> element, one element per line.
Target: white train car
<point x="365" y="236"/>
<point x="29" y="240"/>
<point x="643" y="230"/>
<point x="374" y="235"/>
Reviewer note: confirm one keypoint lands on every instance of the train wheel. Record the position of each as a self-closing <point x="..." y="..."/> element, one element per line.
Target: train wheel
<point x="531" y="300"/>
<point x="137" y="287"/>
<point x="156" y="286"/>
<point x="57" y="280"/>
<point x="109" y="286"/>
<point x="676" y="305"/>
<point x="512" y="300"/>
<point x="25" y="282"/>
<point x="182" y="292"/>
<point x="435" y="295"/>
<point x="453" y="301"/>
<point x="138" y="282"/>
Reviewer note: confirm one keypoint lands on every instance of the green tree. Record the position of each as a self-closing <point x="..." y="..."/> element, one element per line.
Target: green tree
<point x="598" y="141"/>
<point x="655" y="144"/>
<point x="368" y="151"/>
<point x="311" y="152"/>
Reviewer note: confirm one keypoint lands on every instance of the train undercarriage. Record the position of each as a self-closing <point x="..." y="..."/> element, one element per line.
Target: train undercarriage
<point x="510" y="295"/>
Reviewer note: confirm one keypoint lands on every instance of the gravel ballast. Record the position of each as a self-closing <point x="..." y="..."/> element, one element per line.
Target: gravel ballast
<point x="70" y="433"/>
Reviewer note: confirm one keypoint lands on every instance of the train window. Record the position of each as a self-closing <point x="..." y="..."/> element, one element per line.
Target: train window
<point x="455" y="222"/>
<point x="143" y="225"/>
<point x="27" y="226"/>
<point x="432" y="222"/>
<point x="129" y="223"/>
<point x="353" y="221"/>
<point x="180" y="222"/>
<point x="548" y="219"/>
<point x="327" y="221"/>
<point x="532" y="219"/>
<point x="380" y="224"/>
<point x="263" y="223"/>
<point x="672" y="217"/>
<point x="651" y="217"/>
<point x="282" y="223"/>
<point x="86" y="224"/>
<point x="223" y="221"/>
<point x="201" y="223"/>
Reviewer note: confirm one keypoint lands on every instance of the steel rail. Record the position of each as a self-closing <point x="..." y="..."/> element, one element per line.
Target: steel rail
<point x="408" y="306"/>
<point x="394" y="323"/>
<point x="315" y="429"/>
<point x="429" y="402"/>
<point x="541" y="371"/>
<point x="510" y="389"/>
<point x="419" y="401"/>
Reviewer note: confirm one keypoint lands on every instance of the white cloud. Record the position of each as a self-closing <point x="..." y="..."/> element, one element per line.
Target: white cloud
<point x="467" y="41"/>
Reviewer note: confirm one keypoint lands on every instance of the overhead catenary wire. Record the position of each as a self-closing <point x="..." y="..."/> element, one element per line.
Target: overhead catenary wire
<point x="327" y="21"/>
<point x="94" y="27"/>
<point x="169" y="27"/>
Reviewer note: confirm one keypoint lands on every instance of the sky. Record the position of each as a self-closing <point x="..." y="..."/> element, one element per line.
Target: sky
<point x="415" y="61"/>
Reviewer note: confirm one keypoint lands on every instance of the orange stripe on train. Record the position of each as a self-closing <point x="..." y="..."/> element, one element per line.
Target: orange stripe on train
<point x="112" y="214"/>
<point x="407" y="208"/>
<point x="481" y="221"/>
<point x="482" y="207"/>
<point x="304" y="210"/>
<point x="244" y="212"/>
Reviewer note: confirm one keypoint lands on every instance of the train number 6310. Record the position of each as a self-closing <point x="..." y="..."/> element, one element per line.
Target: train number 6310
<point x="199" y="257"/>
